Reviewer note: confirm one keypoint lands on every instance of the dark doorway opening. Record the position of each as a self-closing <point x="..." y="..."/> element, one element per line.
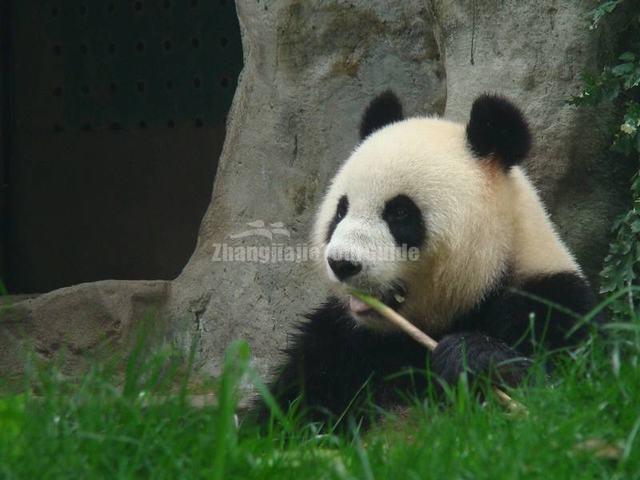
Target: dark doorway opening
<point x="117" y="119"/>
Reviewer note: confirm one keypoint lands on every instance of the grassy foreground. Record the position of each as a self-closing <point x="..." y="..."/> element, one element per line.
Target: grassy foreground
<point x="583" y="424"/>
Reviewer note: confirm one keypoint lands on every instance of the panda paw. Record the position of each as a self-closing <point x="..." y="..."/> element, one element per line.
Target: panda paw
<point x="480" y="357"/>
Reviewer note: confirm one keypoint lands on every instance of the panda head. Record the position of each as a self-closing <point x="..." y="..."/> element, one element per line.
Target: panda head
<point x="419" y="215"/>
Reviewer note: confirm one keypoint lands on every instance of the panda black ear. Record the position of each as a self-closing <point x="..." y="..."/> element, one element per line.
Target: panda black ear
<point x="498" y="127"/>
<point x="383" y="110"/>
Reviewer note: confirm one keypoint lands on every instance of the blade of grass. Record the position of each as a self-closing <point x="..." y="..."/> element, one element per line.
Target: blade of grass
<point x="270" y="400"/>
<point x="235" y="366"/>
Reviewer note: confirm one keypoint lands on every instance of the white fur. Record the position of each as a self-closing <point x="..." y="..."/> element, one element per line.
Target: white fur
<point x="479" y="220"/>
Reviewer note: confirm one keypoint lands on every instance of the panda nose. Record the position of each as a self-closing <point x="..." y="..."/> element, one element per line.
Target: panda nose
<point x="344" y="269"/>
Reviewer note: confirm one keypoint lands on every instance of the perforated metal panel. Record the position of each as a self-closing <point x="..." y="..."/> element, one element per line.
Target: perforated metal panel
<point x="125" y="64"/>
<point x="119" y="120"/>
<point x="5" y="125"/>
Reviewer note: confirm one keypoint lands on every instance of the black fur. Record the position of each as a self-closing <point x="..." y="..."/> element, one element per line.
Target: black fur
<point x="330" y="360"/>
<point x="405" y="222"/>
<point x="478" y="354"/>
<point x="344" y="269"/>
<point x="498" y="127"/>
<point x="383" y="110"/>
<point x="341" y="212"/>
<point x="507" y="312"/>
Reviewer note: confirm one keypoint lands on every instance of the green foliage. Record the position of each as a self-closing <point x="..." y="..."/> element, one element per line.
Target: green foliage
<point x="622" y="264"/>
<point x="585" y="425"/>
<point x="602" y="10"/>
<point x="620" y="83"/>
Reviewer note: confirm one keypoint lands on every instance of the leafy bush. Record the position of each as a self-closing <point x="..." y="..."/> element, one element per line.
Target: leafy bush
<point x="621" y="83"/>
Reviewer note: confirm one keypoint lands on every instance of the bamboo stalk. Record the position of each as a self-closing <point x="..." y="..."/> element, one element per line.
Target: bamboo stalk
<point x="419" y="336"/>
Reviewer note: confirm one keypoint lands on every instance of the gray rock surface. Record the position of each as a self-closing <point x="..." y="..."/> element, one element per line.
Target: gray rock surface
<point x="310" y="69"/>
<point x="77" y="323"/>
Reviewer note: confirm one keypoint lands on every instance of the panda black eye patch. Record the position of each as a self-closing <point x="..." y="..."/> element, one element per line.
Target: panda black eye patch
<point x="405" y="222"/>
<point x="341" y="212"/>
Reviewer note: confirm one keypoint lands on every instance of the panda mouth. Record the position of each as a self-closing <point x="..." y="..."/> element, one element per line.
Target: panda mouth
<point x="392" y="298"/>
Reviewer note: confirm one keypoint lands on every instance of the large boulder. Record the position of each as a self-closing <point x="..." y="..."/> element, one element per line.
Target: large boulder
<point x="310" y="69"/>
<point x="76" y="324"/>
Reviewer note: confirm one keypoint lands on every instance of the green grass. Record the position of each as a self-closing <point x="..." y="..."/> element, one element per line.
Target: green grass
<point x="585" y="423"/>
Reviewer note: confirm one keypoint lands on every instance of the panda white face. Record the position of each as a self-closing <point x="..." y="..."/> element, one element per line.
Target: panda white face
<point x="410" y="195"/>
<point x="449" y="195"/>
<point x="371" y="247"/>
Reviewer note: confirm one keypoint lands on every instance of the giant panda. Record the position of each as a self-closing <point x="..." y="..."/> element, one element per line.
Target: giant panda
<point x="490" y="278"/>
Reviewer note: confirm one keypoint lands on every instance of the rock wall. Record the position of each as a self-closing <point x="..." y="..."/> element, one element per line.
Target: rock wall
<point x="310" y="69"/>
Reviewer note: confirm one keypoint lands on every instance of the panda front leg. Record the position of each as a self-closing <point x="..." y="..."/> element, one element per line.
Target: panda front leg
<point x="478" y="356"/>
<point x="545" y="311"/>
<point x="327" y="362"/>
